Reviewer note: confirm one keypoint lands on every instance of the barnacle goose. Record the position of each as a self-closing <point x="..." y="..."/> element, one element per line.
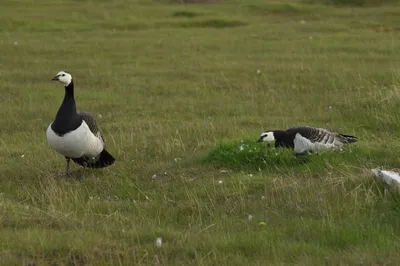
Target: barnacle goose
<point x="75" y="135"/>
<point x="304" y="139"/>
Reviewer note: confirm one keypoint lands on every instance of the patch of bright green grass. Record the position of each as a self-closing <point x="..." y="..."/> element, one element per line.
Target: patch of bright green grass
<point x="247" y="155"/>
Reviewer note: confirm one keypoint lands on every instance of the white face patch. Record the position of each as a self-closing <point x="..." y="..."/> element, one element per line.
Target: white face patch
<point x="64" y="78"/>
<point x="268" y="136"/>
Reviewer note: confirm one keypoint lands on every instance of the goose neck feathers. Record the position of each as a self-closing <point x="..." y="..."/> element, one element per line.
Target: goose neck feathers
<point x="67" y="119"/>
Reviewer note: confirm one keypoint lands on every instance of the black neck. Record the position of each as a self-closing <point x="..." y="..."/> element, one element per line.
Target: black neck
<point x="69" y="90"/>
<point x="279" y="134"/>
<point x="282" y="138"/>
<point x="68" y="106"/>
<point x="67" y="119"/>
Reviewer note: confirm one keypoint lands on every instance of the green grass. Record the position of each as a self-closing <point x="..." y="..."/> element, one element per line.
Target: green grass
<point x="176" y="88"/>
<point x="345" y="3"/>
<point x="247" y="155"/>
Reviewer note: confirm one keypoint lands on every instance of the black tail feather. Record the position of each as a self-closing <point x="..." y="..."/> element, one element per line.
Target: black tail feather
<point x="349" y="138"/>
<point x="104" y="159"/>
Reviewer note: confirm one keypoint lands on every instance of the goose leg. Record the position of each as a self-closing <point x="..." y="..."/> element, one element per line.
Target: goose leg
<point x="67" y="168"/>
<point x="84" y="169"/>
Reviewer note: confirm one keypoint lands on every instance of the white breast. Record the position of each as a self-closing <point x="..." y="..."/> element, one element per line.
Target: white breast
<point x="77" y="143"/>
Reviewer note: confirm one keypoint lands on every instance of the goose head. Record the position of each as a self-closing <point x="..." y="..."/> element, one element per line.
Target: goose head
<point x="267" y="136"/>
<point x="63" y="77"/>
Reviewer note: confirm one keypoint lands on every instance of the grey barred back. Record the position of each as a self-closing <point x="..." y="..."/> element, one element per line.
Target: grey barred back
<point x="321" y="135"/>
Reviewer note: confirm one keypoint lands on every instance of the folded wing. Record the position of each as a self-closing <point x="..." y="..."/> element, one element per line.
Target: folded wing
<point x="91" y="122"/>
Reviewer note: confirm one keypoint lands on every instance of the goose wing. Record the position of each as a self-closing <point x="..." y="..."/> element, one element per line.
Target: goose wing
<point x="92" y="124"/>
<point x="302" y="144"/>
<point x="315" y="135"/>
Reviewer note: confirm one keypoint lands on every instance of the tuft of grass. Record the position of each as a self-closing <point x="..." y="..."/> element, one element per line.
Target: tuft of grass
<point x="186" y="14"/>
<point x="275" y="8"/>
<point x="212" y="23"/>
<point x="248" y="155"/>
<point x="237" y="154"/>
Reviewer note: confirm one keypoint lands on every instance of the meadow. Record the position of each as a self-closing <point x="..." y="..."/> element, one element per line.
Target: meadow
<point x="176" y="89"/>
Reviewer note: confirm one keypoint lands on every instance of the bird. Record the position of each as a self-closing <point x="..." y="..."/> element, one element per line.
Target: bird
<point x="390" y="178"/>
<point x="305" y="139"/>
<point x="75" y="134"/>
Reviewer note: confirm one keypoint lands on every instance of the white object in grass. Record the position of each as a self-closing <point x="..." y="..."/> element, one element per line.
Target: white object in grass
<point x="389" y="177"/>
<point x="158" y="242"/>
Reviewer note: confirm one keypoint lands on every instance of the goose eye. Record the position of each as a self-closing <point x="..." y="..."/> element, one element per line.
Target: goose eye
<point x="63" y="75"/>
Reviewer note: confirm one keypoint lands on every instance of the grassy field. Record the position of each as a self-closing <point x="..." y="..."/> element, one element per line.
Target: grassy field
<point x="177" y="89"/>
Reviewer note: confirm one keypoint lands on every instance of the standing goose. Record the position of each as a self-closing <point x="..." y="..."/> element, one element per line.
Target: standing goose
<point x="304" y="139"/>
<point x="75" y="135"/>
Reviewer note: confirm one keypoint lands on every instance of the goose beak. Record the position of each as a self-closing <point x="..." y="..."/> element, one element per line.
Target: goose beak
<point x="260" y="140"/>
<point x="56" y="77"/>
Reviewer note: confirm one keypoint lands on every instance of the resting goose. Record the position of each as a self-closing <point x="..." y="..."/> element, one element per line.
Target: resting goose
<point x="304" y="139"/>
<point x="75" y="135"/>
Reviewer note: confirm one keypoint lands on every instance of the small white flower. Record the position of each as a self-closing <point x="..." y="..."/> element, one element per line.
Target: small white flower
<point x="258" y="72"/>
<point x="177" y="159"/>
<point x="123" y="230"/>
<point x="99" y="116"/>
<point x="223" y="171"/>
<point x="23" y="155"/>
<point x="154" y="176"/>
<point x="147" y="198"/>
<point x="263" y="197"/>
<point x="158" y="242"/>
<point x="310" y="37"/>
<point x="250" y="175"/>
<point x="250" y="217"/>
<point x="91" y="198"/>
<point x="220" y="182"/>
